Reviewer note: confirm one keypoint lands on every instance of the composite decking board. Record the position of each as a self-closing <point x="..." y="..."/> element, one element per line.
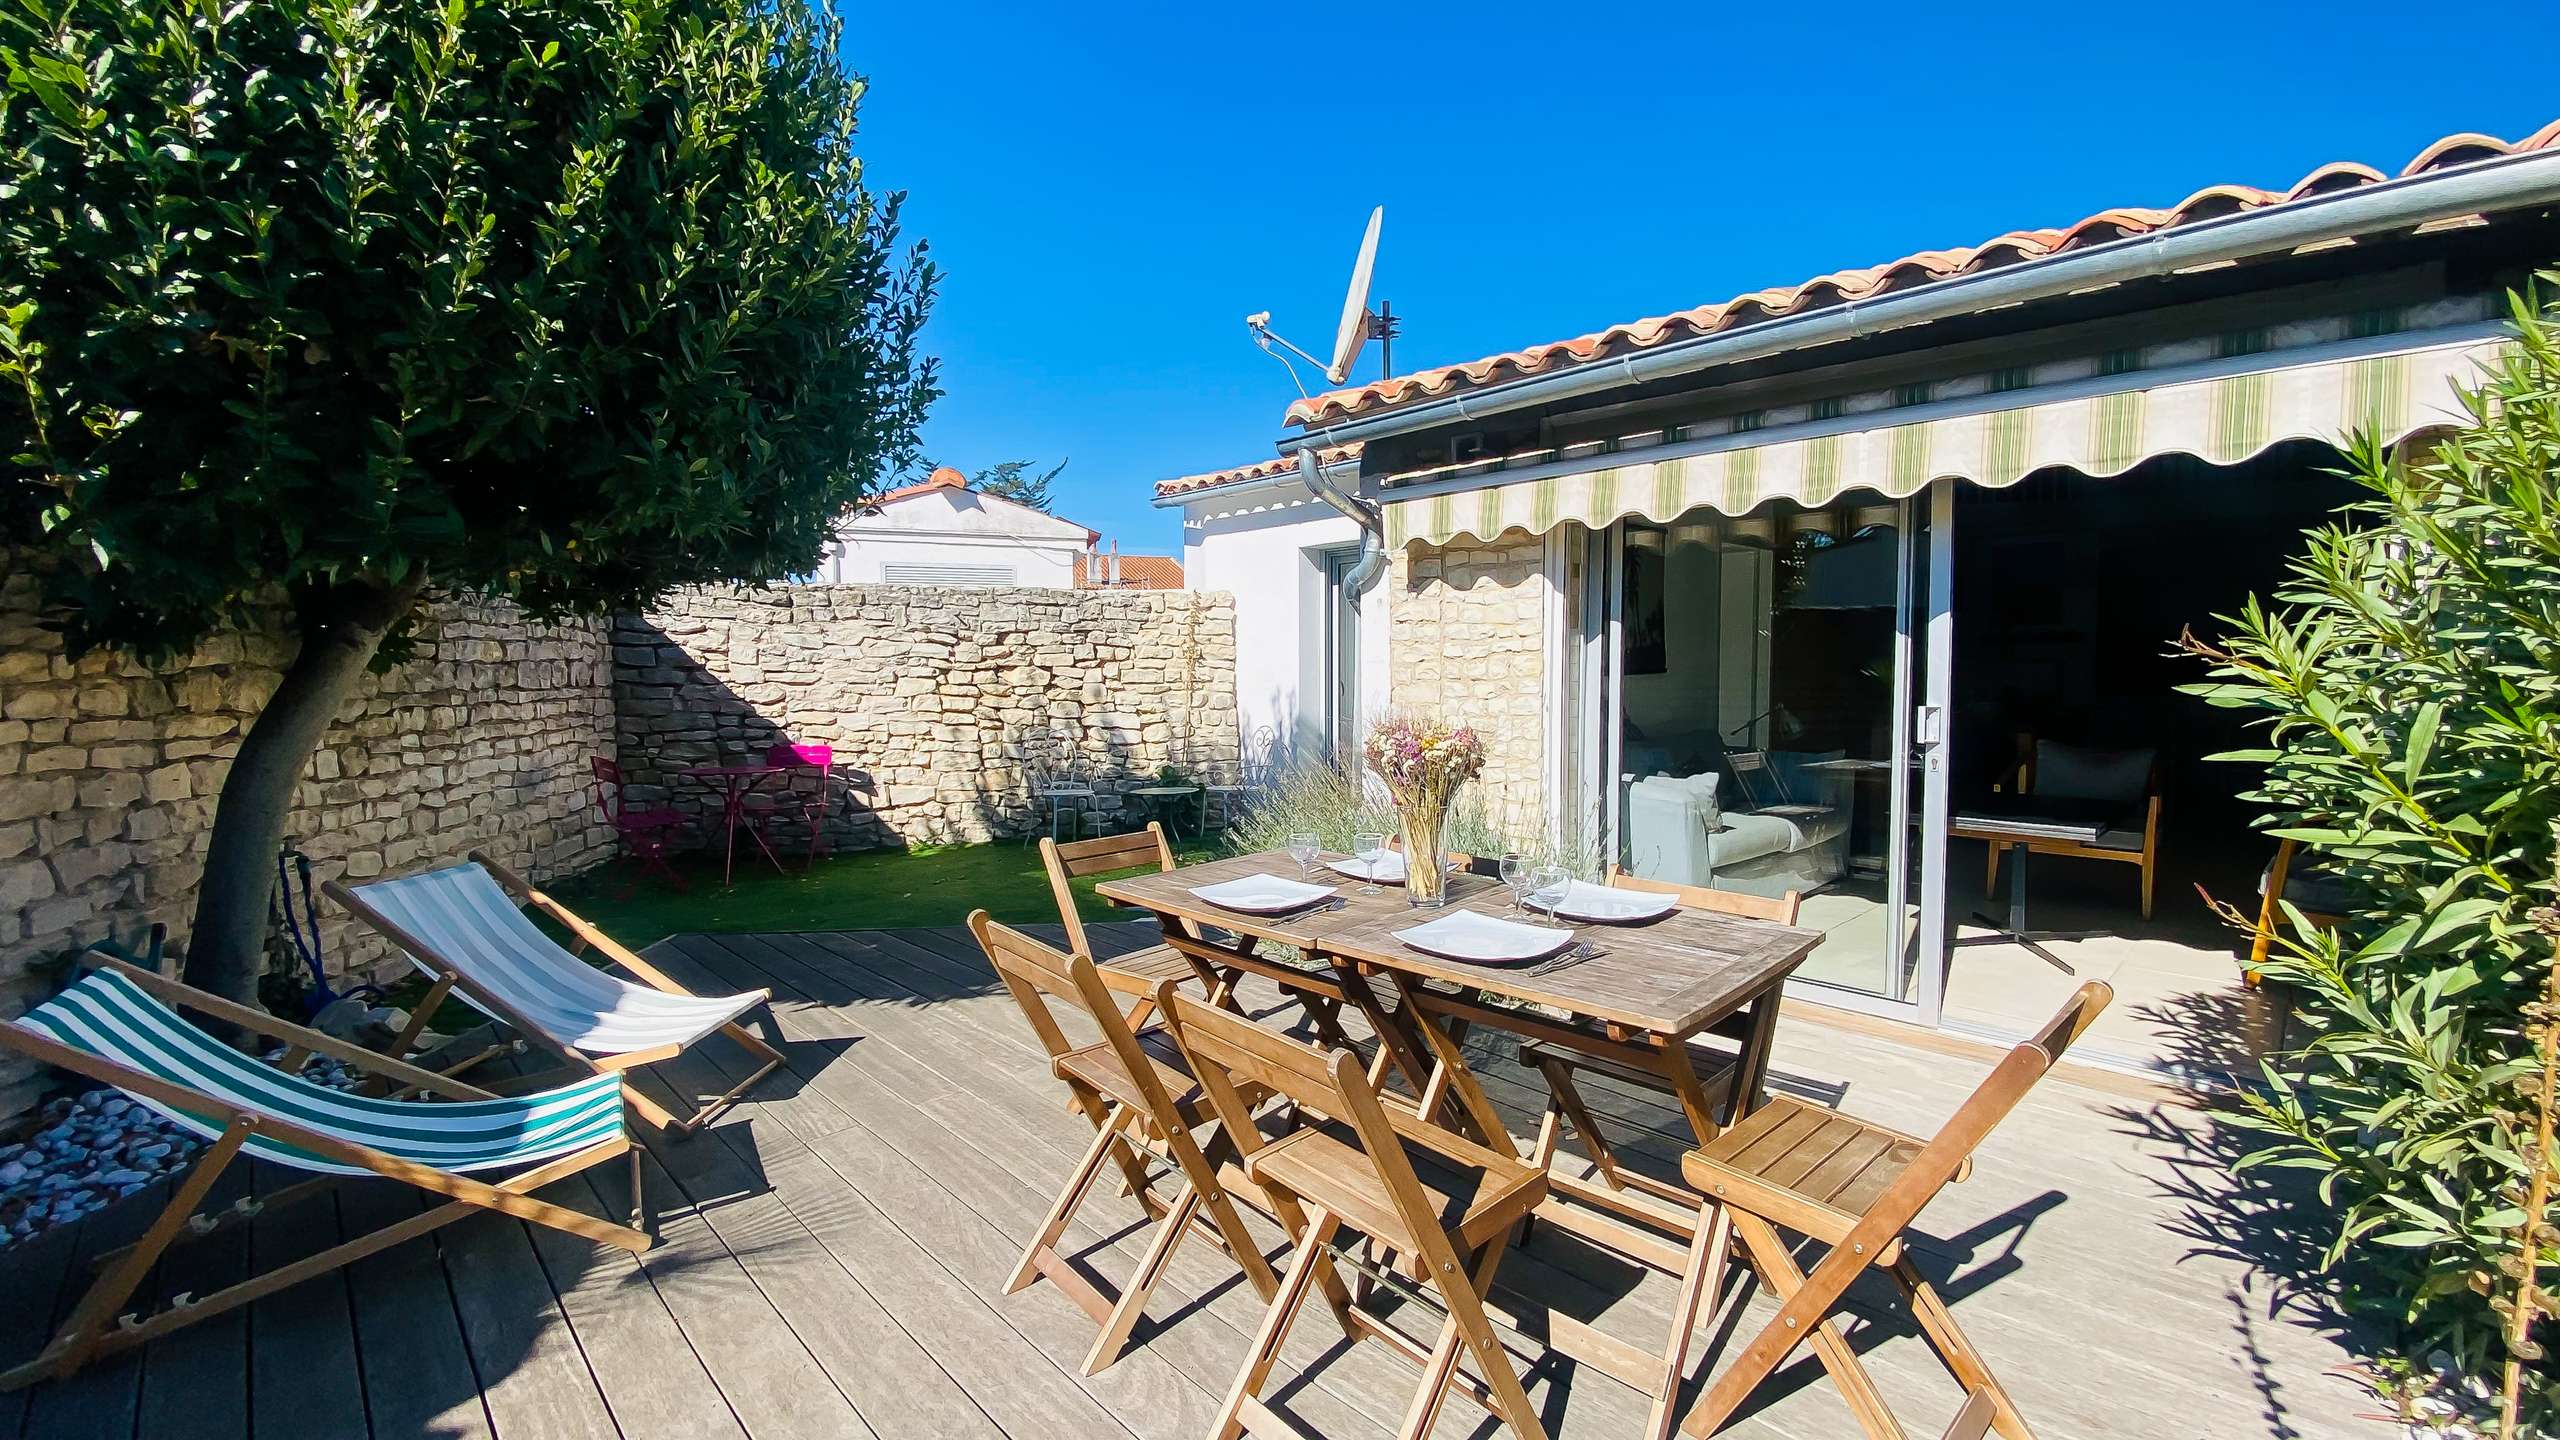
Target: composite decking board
<point x="533" y="1376"/>
<point x="30" y="1305"/>
<point x="418" y="1378"/>
<point x="198" y="1378"/>
<point x="2068" y="1242"/>
<point x="1202" y="1349"/>
<point x="304" y="1374"/>
<point x="1383" y="1395"/>
<point x="1008" y="1377"/>
<point x="102" y="1399"/>
<point x="1206" y="1351"/>
<point x="906" y="1161"/>
<point x="1650" y="1327"/>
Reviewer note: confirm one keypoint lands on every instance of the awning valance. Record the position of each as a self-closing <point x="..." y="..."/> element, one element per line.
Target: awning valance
<point x="2222" y="418"/>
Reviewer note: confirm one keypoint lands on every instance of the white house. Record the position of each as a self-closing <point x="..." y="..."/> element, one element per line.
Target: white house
<point x="1311" y="638"/>
<point x="941" y="532"/>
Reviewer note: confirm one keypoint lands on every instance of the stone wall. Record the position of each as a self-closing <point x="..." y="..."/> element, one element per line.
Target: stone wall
<point x="1467" y="641"/>
<point x="922" y="691"/>
<point x="108" y="773"/>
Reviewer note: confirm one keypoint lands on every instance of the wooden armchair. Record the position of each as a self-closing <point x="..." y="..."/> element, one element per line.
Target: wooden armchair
<point x="2052" y="768"/>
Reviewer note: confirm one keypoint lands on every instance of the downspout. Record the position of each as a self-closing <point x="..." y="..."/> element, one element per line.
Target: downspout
<point x="1372" y="560"/>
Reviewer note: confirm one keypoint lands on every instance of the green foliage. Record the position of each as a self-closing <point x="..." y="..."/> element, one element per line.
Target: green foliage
<point x="1014" y="480"/>
<point x="1337" y="803"/>
<point x="2409" y="680"/>
<point x="567" y="301"/>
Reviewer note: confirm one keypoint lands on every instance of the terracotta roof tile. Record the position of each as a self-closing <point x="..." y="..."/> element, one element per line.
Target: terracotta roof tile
<point x="1916" y="269"/>
<point x="944" y="478"/>
<point x="1258" y="470"/>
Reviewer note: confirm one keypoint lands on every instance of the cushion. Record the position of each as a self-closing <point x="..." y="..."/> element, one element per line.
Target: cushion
<point x="2079" y="772"/>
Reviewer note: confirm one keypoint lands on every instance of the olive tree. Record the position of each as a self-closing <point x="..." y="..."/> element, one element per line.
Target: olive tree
<point x="316" y="308"/>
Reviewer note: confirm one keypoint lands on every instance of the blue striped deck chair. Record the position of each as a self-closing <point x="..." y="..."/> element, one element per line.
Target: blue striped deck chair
<point x="119" y="1024"/>
<point x="464" y="927"/>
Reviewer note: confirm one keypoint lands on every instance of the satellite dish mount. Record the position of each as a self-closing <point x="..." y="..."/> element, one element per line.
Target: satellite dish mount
<point x="1358" y="327"/>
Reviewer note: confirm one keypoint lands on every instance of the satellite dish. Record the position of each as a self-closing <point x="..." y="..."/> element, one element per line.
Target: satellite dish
<point x="1359" y="326"/>
<point x="1355" y="328"/>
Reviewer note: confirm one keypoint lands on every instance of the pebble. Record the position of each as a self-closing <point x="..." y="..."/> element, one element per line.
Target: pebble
<point x="88" y="1150"/>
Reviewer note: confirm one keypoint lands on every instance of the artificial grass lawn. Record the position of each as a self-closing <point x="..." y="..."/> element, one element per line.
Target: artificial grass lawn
<point x="873" y="890"/>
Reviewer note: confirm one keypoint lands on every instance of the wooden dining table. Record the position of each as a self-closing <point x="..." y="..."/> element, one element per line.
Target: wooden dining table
<point x="1633" y="993"/>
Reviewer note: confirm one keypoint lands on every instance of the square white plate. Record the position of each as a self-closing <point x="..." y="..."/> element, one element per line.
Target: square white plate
<point x="1262" y="894"/>
<point x="1601" y="905"/>
<point x="1484" y="940"/>
<point x="1387" y="868"/>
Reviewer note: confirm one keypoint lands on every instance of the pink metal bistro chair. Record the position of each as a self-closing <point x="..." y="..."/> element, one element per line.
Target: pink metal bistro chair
<point x="645" y="834"/>
<point x="805" y="792"/>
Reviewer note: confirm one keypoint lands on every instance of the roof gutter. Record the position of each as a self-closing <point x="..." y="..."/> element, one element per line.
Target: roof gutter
<point x="2506" y="182"/>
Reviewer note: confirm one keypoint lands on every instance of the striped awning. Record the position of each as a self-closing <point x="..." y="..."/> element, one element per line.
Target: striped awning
<point x="2098" y="431"/>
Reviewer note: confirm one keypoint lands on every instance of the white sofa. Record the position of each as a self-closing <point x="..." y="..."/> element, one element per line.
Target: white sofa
<point x="1676" y="831"/>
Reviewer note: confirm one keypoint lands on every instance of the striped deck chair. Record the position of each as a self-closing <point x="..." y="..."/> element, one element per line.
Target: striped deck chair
<point x="461" y="925"/>
<point x="117" y="1025"/>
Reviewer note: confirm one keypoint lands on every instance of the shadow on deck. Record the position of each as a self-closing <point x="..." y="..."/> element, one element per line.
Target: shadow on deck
<point x="832" y="1254"/>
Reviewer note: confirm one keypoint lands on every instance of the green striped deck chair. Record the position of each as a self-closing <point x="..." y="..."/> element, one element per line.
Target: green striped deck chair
<point x="119" y="1024"/>
<point x="462" y="926"/>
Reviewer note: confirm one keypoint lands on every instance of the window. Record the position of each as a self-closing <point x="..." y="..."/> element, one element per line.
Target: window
<point x="976" y="577"/>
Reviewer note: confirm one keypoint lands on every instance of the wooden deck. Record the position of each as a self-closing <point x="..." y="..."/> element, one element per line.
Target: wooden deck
<point x="832" y="1253"/>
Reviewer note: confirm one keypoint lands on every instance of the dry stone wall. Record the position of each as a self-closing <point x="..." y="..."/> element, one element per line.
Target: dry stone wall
<point x="922" y="691"/>
<point x="108" y="773"/>
<point x="1467" y="640"/>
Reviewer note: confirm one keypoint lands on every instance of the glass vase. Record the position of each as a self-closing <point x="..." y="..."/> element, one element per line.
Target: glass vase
<point x="1426" y="866"/>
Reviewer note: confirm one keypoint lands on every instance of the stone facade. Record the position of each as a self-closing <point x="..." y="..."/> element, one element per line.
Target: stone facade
<point x="109" y="770"/>
<point x="922" y="691"/>
<point x="1467" y="640"/>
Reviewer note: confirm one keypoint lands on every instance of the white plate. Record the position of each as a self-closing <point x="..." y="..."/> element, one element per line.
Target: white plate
<point x="1601" y="905"/>
<point x="1484" y="940"/>
<point x="1386" y="868"/>
<point x="1262" y="894"/>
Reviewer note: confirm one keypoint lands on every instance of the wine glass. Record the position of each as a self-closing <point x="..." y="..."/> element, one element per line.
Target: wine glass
<point x="1303" y="845"/>
<point x="1371" y="847"/>
<point x="1515" y="874"/>
<point x="1547" y="887"/>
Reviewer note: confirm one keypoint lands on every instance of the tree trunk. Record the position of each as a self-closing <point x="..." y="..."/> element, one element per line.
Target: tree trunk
<point x="341" y="629"/>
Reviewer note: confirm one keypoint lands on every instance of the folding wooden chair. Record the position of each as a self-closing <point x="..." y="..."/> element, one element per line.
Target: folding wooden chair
<point x="116" y="1024"/>
<point x="1102" y="855"/>
<point x="1188" y="953"/>
<point x="1855" y="1187"/>
<point x="461" y="926"/>
<point x="1447" y="1234"/>
<point x="1558" y="1063"/>
<point x="1143" y="1106"/>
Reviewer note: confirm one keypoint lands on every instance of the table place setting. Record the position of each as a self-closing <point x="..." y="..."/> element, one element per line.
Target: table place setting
<point x="1590" y="904"/>
<point x="1480" y="939"/>
<point x="1264" y="894"/>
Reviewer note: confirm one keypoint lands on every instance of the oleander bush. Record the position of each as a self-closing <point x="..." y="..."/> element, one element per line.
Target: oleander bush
<point x="2407" y="680"/>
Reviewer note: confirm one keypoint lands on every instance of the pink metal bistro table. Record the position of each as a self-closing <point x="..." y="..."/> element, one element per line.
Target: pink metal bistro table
<point x="733" y="782"/>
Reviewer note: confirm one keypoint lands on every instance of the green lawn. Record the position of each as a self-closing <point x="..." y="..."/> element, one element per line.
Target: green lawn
<point x="874" y="890"/>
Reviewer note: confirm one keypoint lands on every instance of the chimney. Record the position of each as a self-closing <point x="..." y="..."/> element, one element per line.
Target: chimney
<point x="1115" y="563"/>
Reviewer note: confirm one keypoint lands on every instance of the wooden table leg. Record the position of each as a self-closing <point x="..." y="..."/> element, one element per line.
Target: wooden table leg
<point x="1474" y="1106"/>
<point x="1751" y="1072"/>
<point x="1396" y="1035"/>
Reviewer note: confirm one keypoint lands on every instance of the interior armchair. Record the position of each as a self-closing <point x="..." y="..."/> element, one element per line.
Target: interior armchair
<point x="2128" y="777"/>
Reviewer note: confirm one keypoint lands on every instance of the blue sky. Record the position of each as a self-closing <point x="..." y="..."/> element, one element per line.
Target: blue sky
<point x="1111" y="189"/>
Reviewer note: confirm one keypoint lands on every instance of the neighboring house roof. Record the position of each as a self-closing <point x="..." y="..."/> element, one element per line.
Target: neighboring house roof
<point x="1137" y="572"/>
<point x="1259" y="470"/>
<point x="1909" y="272"/>
<point x="946" y="478"/>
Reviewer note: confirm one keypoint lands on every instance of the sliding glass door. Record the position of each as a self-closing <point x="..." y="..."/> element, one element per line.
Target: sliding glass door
<point x="1756" y="702"/>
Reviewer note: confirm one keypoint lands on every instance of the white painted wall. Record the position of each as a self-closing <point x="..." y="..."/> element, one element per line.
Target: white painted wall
<point x="1268" y="546"/>
<point x="957" y="527"/>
